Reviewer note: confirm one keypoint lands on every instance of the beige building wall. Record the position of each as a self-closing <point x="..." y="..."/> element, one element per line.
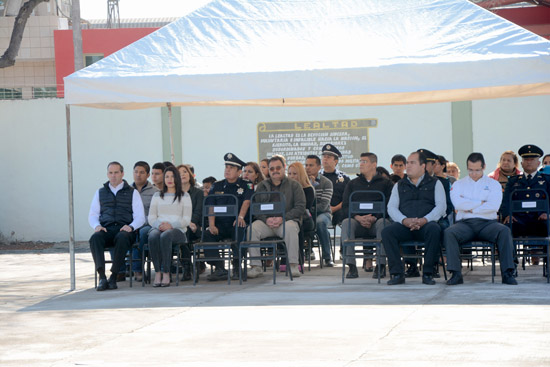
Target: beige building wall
<point x="35" y="62"/>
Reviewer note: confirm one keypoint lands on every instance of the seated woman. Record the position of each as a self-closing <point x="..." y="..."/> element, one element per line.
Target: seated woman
<point x="453" y="170"/>
<point x="253" y="173"/>
<point x="507" y="167"/>
<point x="169" y="216"/>
<point x="264" y="167"/>
<point x="440" y="169"/>
<point x="188" y="185"/>
<point x="546" y="164"/>
<point x="297" y="172"/>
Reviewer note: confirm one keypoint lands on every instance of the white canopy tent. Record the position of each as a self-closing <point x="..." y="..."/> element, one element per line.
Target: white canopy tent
<point x="317" y="53"/>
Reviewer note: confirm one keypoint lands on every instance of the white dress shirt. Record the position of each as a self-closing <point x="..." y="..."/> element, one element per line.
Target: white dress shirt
<point x="137" y="208"/>
<point x="476" y="199"/>
<point x="437" y="212"/>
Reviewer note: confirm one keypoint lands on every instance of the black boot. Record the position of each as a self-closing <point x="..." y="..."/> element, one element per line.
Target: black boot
<point x="186" y="270"/>
<point x="352" y="273"/>
<point x="379" y="269"/>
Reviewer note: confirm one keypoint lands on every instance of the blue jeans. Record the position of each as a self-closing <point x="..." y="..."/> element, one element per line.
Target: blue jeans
<point x="136" y="255"/>
<point x="323" y="221"/>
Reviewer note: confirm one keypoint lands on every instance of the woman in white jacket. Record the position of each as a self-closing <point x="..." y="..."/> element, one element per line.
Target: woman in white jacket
<point x="169" y="216"/>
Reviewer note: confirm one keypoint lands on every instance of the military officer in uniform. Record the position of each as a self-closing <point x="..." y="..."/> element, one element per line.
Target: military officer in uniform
<point x="220" y="228"/>
<point x="532" y="223"/>
<point x="339" y="180"/>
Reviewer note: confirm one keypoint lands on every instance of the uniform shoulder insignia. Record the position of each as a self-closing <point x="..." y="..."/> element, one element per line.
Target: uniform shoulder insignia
<point x="250" y="186"/>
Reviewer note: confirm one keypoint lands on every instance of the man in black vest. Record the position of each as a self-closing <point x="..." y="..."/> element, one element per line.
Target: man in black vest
<point x="116" y="212"/>
<point x="417" y="202"/>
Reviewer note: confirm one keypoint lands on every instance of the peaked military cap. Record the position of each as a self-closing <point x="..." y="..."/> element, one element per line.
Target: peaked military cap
<point x="530" y="151"/>
<point x="430" y="156"/>
<point x="233" y="160"/>
<point x="332" y="150"/>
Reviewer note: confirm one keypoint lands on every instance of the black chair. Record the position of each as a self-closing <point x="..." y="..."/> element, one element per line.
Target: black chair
<point x="310" y="237"/>
<point x="418" y="253"/>
<point x="271" y="204"/>
<point x="128" y="261"/>
<point x="211" y="208"/>
<point x="476" y="246"/>
<point x="531" y="201"/>
<point x="370" y="247"/>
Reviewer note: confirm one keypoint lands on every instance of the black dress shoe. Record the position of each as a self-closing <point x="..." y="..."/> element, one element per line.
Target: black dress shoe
<point x="103" y="285"/>
<point x="428" y="279"/>
<point x="379" y="268"/>
<point x="456" y="278"/>
<point x="412" y="272"/>
<point x="112" y="283"/>
<point x="329" y="263"/>
<point x="396" y="279"/>
<point x="218" y="274"/>
<point x="508" y="278"/>
<point x="352" y="273"/>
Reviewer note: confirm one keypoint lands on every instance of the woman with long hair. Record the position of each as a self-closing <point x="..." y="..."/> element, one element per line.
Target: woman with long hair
<point x="264" y="166"/>
<point x="194" y="229"/>
<point x="507" y="167"/>
<point x="253" y="173"/>
<point x="440" y="169"/>
<point x="297" y="172"/>
<point x="169" y="216"/>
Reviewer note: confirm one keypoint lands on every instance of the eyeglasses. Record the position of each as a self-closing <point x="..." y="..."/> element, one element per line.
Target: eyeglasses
<point x="275" y="168"/>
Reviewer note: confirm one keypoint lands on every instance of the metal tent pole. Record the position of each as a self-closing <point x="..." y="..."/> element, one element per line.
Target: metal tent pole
<point x="71" y="201"/>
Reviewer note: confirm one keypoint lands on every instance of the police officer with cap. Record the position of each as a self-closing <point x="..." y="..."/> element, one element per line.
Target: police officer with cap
<point x="532" y="223"/>
<point x="220" y="228"/>
<point x="339" y="180"/>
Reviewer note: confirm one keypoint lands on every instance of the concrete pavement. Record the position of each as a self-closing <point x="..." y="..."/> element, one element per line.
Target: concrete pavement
<point x="312" y="321"/>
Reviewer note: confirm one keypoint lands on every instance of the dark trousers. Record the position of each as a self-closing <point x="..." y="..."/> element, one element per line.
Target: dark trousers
<point x="224" y="232"/>
<point x="396" y="233"/>
<point x="525" y="227"/>
<point x="114" y="237"/>
<point x="482" y="230"/>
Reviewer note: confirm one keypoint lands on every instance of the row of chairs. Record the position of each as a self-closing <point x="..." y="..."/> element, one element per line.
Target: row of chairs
<point x="275" y="249"/>
<point x="521" y="201"/>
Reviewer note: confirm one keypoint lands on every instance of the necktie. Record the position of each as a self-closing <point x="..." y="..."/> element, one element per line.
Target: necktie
<point x="529" y="177"/>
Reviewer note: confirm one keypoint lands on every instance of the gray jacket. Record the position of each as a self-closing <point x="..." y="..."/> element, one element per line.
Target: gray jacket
<point x="146" y="194"/>
<point x="323" y="193"/>
<point x="295" y="203"/>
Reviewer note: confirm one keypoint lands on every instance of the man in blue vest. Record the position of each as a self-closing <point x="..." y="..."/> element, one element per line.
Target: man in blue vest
<point x="417" y="202"/>
<point x="115" y="213"/>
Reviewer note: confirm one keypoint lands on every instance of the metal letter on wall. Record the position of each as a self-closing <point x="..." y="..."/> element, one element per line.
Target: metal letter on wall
<point x="296" y="140"/>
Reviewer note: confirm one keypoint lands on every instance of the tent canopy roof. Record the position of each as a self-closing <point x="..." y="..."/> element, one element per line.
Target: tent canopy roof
<point x="320" y="52"/>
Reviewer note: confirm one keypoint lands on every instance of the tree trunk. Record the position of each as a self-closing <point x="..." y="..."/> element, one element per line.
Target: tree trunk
<point x="8" y="58"/>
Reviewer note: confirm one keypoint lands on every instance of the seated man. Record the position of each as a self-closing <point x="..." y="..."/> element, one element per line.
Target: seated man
<point x="146" y="191"/>
<point x="295" y="208"/>
<point x="157" y="175"/>
<point x="531" y="223"/>
<point x="528" y="223"/>
<point x="397" y="166"/>
<point x="417" y="202"/>
<point x="220" y="228"/>
<point x="115" y="213"/>
<point x="365" y="225"/>
<point x="339" y="180"/>
<point x="477" y="199"/>
<point x="323" y="195"/>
